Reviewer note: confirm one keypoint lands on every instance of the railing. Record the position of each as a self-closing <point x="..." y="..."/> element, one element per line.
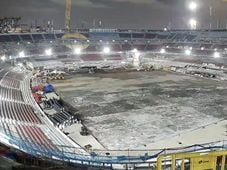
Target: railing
<point x="97" y="157"/>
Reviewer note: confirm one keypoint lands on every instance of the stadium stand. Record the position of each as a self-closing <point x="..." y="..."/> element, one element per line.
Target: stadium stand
<point x="25" y="126"/>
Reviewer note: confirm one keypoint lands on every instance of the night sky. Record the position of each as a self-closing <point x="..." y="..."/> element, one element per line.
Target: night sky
<point x="147" y="14"/>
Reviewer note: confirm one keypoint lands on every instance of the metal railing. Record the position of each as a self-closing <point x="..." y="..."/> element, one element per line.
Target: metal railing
<point x="100" y="157"/>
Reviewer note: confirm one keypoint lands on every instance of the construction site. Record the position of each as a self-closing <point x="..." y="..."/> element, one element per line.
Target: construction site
<point x="109" y="98"/>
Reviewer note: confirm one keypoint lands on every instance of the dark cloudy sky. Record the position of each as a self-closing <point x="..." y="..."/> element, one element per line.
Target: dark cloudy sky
<point x="152" y="14"/>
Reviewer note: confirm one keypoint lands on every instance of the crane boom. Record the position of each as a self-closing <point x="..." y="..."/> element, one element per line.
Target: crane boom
<point x="68" y="7"/>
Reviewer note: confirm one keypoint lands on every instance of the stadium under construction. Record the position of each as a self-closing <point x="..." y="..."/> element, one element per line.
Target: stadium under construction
<point x="113" y="98"/>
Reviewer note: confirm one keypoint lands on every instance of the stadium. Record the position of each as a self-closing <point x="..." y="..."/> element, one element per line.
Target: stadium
<point x="113" y="98"/>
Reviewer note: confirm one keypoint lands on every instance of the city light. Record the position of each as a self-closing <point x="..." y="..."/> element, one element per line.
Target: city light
<point x="21" y="54"/>
<point x="193" y="23"/>
<point x="188" y="52"/>
<point x="48" y="52"/>
<point x="202" y="48"/>
<point x="77" y="50"/>
<point x="106" y="50"/>
<point x="217" y="54"/>
<point x="162" y="51"/>
<point x="192" y="6"/>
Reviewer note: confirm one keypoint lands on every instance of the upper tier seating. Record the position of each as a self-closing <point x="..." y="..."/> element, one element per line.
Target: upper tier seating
<point x="91" y="57"/>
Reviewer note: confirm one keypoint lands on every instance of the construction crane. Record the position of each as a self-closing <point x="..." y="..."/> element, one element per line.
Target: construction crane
<point x="68" y="7"/>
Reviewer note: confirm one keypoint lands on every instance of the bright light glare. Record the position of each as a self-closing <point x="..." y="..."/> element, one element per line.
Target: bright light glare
<point x="202" y="48"/>
<point x="193" y="23"/>
<point x="106" y="50"/>
<point x="135" y="50"/>
<point x="3" y="58"/>
<point x="217" y="55"/>
<point x="48" y="52"/>
<point x="192" y="6"/>
<point x="188" y="52"/>
<point x="162" y="51"/>
<point x="20" y="64"/>
<point x="21" y="54"/>
<point x="77" y="50"/>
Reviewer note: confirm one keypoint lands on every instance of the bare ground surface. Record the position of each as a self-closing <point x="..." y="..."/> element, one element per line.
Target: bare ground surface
<point x="132" y="110"/>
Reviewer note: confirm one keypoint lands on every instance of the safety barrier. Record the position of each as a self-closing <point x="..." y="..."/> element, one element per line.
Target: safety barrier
<point x="162" y="156"/>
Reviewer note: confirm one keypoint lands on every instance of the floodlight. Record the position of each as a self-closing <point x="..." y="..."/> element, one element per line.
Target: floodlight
<point x="188" y="52"/>
<point x="217" y="54"/>
<point x="21" y="54"/>
<point x="162" y="51"/>
<point x="3" y="58"/>
<point x="192" y="6"/>
<point x="48" y="52"/>
<point x="77" y="50"/>
<point x="106" y="50"/>
<point x="193" y="23"/>
<point x="134" y="50"/>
